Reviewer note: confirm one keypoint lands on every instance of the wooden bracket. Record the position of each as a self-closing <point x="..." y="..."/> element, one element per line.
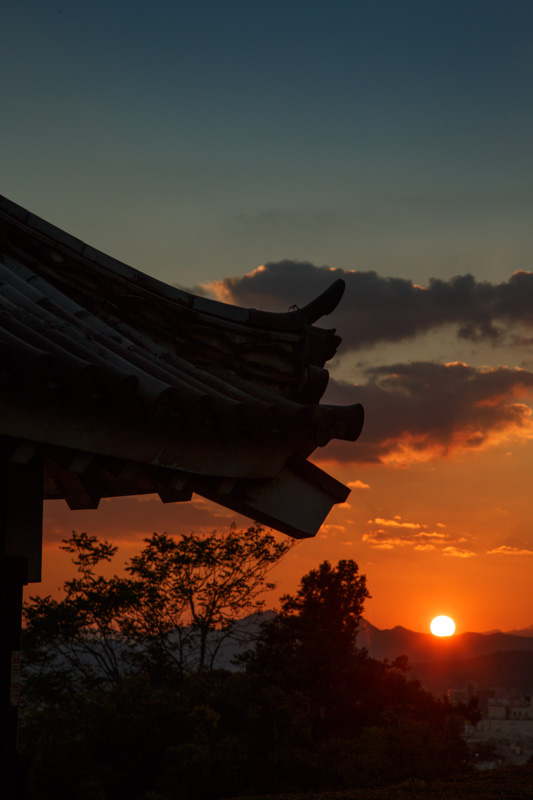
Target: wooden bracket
<point x="79" y="491"/>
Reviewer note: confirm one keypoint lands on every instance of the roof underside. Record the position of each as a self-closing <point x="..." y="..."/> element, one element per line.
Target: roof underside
<point x="125" y="385"/>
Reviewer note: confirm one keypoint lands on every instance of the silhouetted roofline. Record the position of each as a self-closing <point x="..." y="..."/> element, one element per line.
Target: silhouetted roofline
<point x="104" y="365"/>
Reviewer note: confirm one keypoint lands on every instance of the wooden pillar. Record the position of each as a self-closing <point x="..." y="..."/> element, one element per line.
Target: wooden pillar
<point x="13" y="576"/>
<point x="21" y="501"/>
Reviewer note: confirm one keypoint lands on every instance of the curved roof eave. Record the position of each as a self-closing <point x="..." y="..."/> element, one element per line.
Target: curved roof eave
<point x="102" y="359"/>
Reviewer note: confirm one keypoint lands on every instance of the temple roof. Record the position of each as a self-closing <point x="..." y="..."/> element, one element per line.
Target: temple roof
<point x="127" y="385"/>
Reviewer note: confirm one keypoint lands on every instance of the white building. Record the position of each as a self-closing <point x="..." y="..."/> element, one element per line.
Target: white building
<point x="508" y="718"/>
<point x="508" y="725"/>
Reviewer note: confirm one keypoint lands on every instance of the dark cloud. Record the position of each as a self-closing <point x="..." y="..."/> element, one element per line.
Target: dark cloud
<point x="379" y="309"/>
<point x="424" y="409"/>
<point x="413" y="411"/>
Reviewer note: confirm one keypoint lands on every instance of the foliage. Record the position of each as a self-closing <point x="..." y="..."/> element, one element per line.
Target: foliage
<point x="174" y="611"/>
<point x="362" y="711"/>
<point x="309" y="710"/>
<point x="311" y="645"/>
<point x="192" y="586"/>
<point x="78" y="641"/>
<point x="316" y="629"/>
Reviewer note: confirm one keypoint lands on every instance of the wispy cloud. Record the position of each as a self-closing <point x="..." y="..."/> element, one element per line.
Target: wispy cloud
<point x="125" y="520"/>
<point x="381" y="540"/>
<point x="397" y="522"/>
<point x="358" y="485"/>
<point x="505" y="550"/>
<point x="456" y="552"/>
<point x="395" y="532"/>
<point x="330" y="528"/>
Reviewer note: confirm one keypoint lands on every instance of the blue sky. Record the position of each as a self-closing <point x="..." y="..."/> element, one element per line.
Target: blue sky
<point x="197" y="141"/>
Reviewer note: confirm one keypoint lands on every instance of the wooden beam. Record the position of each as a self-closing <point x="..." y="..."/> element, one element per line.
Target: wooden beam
<point x="79" y="491"/>
<point x="95" y="430"/>
<point x="77" y="461"/>
<point x="24" y="452"/>
<point x="171" y="486"/>
<point x="296" y="502"/>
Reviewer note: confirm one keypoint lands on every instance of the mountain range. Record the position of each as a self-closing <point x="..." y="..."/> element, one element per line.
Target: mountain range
<point x="516" y="631"/>
<point x="493" y="660"/>
<point x="420" y="647"/>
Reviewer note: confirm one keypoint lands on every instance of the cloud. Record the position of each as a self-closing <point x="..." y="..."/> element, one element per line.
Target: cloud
<point x="396" y="523"/>
<point x="505" y="550"/>
<point x="432" y="535"/>
<point x="422" y="410"/>
<point x="394" y="532"/>
<point x="381" y="540"/>
<point x="358" y="485"/>
<point x="387" y="309"/>
<point x="456" y="552"/>
<point x="329" y="528"/>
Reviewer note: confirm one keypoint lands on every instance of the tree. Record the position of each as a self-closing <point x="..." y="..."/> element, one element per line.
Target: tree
<point x="194" y="590"/>
<point x="329" y="603"/>
<point x="78" y="640"/>
<point x="311" y="711"/>
<point x="310" y="649"/>
<point x="171" y="615"/>
<point x="311" y="644"/>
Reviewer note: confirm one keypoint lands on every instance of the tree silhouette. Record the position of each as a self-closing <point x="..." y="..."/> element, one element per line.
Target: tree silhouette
<point x="193" y="590"/>
<point x="177" y="606"/>
<point x="310" y="645"/>
<point x="310" y="710"/>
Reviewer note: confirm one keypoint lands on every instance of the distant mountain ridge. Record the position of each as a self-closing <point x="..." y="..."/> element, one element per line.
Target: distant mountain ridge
<point x="424" y="647"/>
<point x="522" y="631"/>
<point x="495" y="660"/>
<point x="515" y="632"/>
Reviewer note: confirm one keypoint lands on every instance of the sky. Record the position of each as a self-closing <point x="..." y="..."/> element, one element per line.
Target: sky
<point x="254" y="152"/>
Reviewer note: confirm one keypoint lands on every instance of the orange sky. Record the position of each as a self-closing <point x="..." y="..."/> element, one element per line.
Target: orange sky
<point x="439" y="518"/>
<point x="392" y="146"/>
<point x="445" y="536"/>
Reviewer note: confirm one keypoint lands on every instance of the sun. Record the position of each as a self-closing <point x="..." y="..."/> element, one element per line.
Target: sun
<point x="442" y="626"/>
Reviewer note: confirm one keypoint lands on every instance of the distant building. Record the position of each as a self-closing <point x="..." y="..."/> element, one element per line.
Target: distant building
<point x="512" y="718"/>
<point x="508" y="725"/>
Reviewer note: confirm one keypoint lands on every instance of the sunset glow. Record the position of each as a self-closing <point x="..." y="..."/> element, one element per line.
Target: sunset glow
<point x="246" y="152"/>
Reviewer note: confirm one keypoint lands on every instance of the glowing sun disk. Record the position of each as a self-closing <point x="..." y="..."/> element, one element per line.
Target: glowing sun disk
<point x="442" y="626"/>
